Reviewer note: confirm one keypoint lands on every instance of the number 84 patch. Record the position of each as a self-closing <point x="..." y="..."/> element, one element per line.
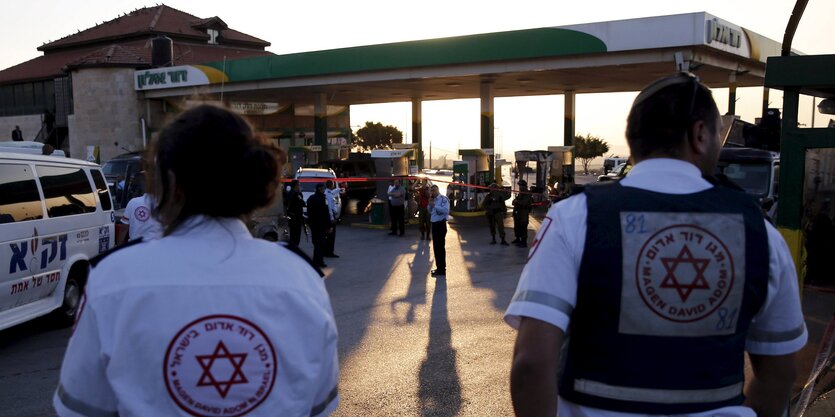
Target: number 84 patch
<point x="683" y="273"/>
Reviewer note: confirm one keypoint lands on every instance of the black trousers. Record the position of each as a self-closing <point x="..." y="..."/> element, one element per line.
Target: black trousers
<point x="295" y="230"/>
<point x="520" y="225"/>
<point x="319" y="242"/>
<point x="438" y="240"/>
<point x="330" y="239"/>
<point x="398" y="221"/>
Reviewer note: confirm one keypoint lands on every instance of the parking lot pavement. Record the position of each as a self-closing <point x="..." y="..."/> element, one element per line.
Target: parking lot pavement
<point x="413" y="345"/>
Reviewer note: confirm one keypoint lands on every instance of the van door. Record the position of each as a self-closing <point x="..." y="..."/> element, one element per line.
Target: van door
<point x="21" y="209"/>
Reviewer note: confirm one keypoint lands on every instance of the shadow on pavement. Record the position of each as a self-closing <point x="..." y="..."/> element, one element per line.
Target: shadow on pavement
<point x="439" y="393"/>
<point x="419" y="268"/>
<point x="493" y="267"/>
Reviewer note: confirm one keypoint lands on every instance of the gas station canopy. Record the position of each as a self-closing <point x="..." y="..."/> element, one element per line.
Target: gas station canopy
<point x="615" y="56"/>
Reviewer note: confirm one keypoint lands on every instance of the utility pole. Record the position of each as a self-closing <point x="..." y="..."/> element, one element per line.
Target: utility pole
<point x="430" y="154"/>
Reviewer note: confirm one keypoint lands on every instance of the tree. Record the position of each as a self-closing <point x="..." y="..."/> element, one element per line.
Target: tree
<point x="588" y="147"/>
<point x="376" y="136"/>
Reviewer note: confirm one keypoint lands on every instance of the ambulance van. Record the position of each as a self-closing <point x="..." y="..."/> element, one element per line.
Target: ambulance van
<point x="55" y="214"/>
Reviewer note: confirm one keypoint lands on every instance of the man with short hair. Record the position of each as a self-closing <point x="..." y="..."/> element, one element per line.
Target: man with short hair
<point x="495" y="209"/>
<point x="331" y="196"/>
<point x="665" y="280"/>
<point x="319" y="220"/>
<point x="17" y="134"/>
<point x="438" y="214"/>
<point x="397" y="205"/>
<point x="522" y="206"/>
<point x="295" y="212"/>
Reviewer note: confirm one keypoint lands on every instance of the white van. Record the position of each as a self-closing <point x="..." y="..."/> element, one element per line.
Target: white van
<point x="318" y="176"/>
<point x="55" y="214"/>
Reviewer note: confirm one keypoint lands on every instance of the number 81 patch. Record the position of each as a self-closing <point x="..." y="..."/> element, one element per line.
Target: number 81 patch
<point x="683" y="273"/>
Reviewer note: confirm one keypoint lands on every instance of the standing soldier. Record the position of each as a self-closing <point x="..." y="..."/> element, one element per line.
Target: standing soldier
<point x="495" y="209"/>
<point x="522" y="205"/>
<point x="295" y="212"/>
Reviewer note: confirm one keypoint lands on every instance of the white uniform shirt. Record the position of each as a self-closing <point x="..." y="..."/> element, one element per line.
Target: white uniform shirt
<point x="554" y="264"/>
<point x="207" y="321"/>
<point x="330" y="198"/>
<point x="139" y="219"/>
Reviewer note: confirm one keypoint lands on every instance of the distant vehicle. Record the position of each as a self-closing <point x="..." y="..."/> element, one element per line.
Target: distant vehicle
<point x="610" y="163"/>
<point x="430" y="171"/>
<point x="756" y="171"/>
<point x="445" y="172"/>
<point x="118" y="172"/>
<point x="28" y="147"/>
<point x="309" y="187"/>
<point x="55" y="214"/>
<point x="617" y="172"/>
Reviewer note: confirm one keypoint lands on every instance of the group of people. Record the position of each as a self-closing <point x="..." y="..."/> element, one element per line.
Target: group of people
<point x="322" y="218"/>
<point x="495" y="209"/>
<point x="433" y="213"/>
<point x="664" y="281"/>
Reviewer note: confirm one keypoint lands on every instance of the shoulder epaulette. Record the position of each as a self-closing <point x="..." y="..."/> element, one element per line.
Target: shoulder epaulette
<point x="295" y="249"/>
<point x="98" y="258"/>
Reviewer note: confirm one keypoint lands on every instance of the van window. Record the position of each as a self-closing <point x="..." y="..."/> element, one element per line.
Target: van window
<point x="19" y="199"/>
<point x="101" y="188"/>
<point x="66" y="191"/>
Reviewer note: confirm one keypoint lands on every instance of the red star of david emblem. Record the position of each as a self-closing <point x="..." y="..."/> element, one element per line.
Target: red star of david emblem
<point x="208" y="377"/>
<point x="671" y="280"/>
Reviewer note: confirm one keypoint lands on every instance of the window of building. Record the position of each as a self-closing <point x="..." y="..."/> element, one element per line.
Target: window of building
<point x="66" y="191"/>
<point x="213" y="35"/>
<point x="19" y="198"/>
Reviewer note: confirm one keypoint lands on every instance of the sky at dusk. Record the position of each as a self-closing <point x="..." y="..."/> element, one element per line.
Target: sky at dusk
<point x="521" y="123"/>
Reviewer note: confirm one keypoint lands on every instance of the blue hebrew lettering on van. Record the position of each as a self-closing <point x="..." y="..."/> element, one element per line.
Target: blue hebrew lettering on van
<point x="104" y="244"/>
<point x="18" y="255"/>
<point x="53" y="249"/>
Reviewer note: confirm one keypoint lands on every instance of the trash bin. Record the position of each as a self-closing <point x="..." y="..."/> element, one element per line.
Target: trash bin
<point x="377" y="215"/>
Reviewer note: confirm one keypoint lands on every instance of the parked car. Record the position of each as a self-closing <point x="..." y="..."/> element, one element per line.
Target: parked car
<point x="118" y="172"/>
<point x="55" y="215"/>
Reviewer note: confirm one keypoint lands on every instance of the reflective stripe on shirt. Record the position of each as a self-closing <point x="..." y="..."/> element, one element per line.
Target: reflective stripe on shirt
<point x="661" y="396"/>
<point x="81" y="407"/>
<point x="545" y="299"/>
<point x="755" y="335"/>
<point x="324" y="404"/>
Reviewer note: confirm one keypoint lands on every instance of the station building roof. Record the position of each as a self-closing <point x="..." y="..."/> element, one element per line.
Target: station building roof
<point x="614" y="56"/>
<point x="125" y="41"/>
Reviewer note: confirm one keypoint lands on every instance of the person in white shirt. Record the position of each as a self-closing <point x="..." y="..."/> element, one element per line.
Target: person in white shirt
<point x="663" y="281"/>
<point x="331" y="197"/>
<point x="207" y="320"/>
<point x="139" y="220"/>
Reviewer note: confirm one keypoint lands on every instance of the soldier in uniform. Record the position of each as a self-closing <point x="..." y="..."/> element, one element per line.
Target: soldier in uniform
<point x="206" y="320"/>
<point x="495" y="210"/>
<point x="522" y="205"/>
<point x="665" y="280"/>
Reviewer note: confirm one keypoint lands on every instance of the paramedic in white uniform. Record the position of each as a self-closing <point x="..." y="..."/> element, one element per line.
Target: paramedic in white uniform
<point x="663" y="281"/>
<point x="139" y="219"/>
<point x="206" y="321"/>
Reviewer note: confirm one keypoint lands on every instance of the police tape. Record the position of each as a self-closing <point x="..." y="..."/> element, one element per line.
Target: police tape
<point x="821" y="362"/>
<point x="408" y="178"/>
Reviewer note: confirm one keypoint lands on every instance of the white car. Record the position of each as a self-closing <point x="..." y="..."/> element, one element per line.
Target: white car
<point x="309" y="177"/>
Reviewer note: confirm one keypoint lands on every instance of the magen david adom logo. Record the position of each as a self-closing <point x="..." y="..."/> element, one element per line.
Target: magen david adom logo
<point x="219" y="366"/>
<point x="684" y="273"/>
